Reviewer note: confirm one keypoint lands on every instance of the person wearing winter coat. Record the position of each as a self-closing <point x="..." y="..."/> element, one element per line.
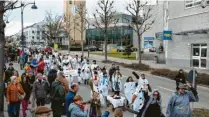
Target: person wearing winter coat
<point x="27" y="89"/>
<point x="180" y="78"/>
<point x="152" y="106"/>
<point x="58" y="97"/>
<point x="52" y="74"/>
<point x="112" y="71"/>
<point x="117" y="82"/>
<point x="179" y="103"/>
<point x="70" y="96"/>
<point x="76" y="109"/>
<point x="95" y="106"/>
<point x="40" y="89"/>
<point x="14" y="91"/>
<point x="104" y="84"/>
<point x="9" y="73"/>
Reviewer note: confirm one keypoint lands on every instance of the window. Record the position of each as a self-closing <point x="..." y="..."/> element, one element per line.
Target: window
<point x="38" y="32"/>
<point x="33" y="31"/>
<point x="192" y="3"/>
<point x="32" y="37"/>
<point x="38" y="38"/>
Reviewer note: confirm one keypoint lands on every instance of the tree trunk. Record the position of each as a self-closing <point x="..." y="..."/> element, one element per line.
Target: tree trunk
<point x="105" y="42"/>
<point x="69" y="44"/>
<point x="2" y="43"/>
<point x="139" y="48"/>
<point x="82" y="41"/>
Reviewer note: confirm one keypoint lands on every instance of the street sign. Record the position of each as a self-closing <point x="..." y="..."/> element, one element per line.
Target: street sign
<point x="192" y="78"/>
<point x="167" y="35"/>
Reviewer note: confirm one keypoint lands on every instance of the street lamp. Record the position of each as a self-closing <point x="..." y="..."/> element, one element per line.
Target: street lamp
<point x="22" y="27"/>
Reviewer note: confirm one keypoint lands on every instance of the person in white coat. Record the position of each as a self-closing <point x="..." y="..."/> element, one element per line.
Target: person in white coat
<point x="129" y="89"/>
<point x="117" y="82"/>
<point x="75" y="62"/>
<point x="86" y="71"/>
<point x="138" y="98"/>
<point x="104" y="84"/>
<point x="94" y="65"/>
<point x="143" y="81"/>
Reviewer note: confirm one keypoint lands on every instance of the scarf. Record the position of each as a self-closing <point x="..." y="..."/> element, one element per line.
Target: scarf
<point x="80" y="106"/>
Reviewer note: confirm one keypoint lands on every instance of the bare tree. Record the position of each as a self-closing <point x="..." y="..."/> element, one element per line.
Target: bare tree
<point x="140" y="24"/>
<point x="52" y="26"/>
<point x="81" y="11"/>
<point x="106" y="17"/>
<point x="5" y="5"/>
<point x="67" y="26"/>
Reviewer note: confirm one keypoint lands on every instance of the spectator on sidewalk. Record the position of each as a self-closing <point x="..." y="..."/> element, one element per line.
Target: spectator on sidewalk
<point x="57" y="95"/>
<point x="179" y="103"/>
<point x="15" y="73"/>
<point x="76" y="109"/>
<point x="27" y="89"/>
<point x="43" y="111"/>
<point x="14" y="92"/>
<point x="180" y="78"/>
<point x="70" y="96"/>
<point x="9" y="72"/>
<point x="40" y="89"/>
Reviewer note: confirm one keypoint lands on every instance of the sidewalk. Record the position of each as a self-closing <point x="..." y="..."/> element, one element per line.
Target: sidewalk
<point x="152" y="64"/>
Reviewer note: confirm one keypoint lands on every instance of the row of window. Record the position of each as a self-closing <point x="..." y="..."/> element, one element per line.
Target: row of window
<point x="193" y="3"/>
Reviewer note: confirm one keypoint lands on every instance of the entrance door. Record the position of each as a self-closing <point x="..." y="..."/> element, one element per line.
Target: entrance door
<point x="199" y="55"/>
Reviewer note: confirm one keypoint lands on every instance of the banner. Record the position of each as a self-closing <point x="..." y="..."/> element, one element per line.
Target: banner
<point x="167" y="35"/>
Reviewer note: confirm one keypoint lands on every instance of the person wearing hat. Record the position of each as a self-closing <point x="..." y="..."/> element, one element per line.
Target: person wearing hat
<point x="77" y="109"/>
<point x="43" y="111"/>
<point x="40" y="88"/>
<point x="14" y="91"/>
<point x="180" y="78"/>
<point x="179" y="103"/>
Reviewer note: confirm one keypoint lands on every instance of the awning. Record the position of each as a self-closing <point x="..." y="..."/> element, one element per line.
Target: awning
<point x="201" y="31"/>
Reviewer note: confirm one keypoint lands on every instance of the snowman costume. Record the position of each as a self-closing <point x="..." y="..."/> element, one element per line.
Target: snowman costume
<point x="103" y="85"/>
<point x="86" y="71"/>
<point x="117" y="82"/>
<point x="129" y="89"/>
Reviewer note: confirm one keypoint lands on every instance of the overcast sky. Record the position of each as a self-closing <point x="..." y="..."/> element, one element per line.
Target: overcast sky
<point x="55" y="6"/>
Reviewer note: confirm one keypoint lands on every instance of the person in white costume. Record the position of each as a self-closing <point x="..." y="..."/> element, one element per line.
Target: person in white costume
<point x="94" y="65"/>
<point x="75" y="62"/>
<point x="48" y="64"/>
<point x="143" y="81"/>
<point x="104" y="84"/>
<point x="86" y="71"/>
<point x="138" y="98"/>
<point x="129" y="89"/>
<point x="117" y="82"/>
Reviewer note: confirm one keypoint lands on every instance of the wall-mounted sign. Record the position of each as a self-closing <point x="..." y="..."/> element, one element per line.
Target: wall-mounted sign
<point x="167" y="35"/>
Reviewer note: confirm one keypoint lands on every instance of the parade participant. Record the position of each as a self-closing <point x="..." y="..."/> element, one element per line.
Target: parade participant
<point x="95" y="106"/>
<point x="75" y="62"/>
<point x="41" y="65"/>
<point x="76" y="109"/>
<point x="27" y="89"/>
<point x="80" y="76"/>
<point x="112" y="71"/>
<point x="14" y="94"/>
<point x="143" y="81"/>
<point x="52" y="74"/>
<point x="138" y="98"/>
<point x="70" y="96"/>
<point x="179" y="103"/>
<point x="48" y="64"/>
<point x="87" y="74"/>
<point x="28" y="68"/>
<point x="94" y="65"/>
<point x="180" y="78"/>
<point x="152" y="106"/>
<point x="58" y="96"/>
<point x="21" y="61"/>
<point x="104" y="84"/>
<point x="95" y="79"/>
<point x="129" y="88"/>
<point x="117" y="81"/>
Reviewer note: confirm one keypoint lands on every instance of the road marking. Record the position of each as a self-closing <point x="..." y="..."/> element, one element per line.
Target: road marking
<point x="166" y="89"/>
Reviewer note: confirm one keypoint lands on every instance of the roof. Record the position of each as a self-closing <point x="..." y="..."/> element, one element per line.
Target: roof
<point x="198" y="31"/>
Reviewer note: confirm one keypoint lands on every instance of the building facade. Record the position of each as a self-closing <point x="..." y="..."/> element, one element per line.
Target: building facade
<point x="189" y="24"/>
<point x="72" y="16"/>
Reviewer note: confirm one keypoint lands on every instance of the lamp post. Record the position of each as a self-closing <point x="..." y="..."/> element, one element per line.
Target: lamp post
<point x="22" y="27"/>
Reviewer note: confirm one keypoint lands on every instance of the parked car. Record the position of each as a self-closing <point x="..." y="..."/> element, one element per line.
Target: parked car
<point x="91" y="48"/>
<point x="100" y="48"/>
<point x="153" y="49"/>
<point x="121" y="49"/>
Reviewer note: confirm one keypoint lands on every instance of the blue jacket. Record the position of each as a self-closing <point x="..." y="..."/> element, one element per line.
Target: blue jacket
<point x="68" y="100"/>
<point x="75" y="111"/>
<point x="106" y="114"/>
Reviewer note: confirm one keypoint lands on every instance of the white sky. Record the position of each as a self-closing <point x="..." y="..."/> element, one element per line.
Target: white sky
<point x="55" y="6"/>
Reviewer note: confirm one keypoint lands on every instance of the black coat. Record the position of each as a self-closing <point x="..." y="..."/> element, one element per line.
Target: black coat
<point x="180" y="78"/>
<point x="8" y="74"/>
<point x="52" y="76"/>
<point x="27" y="89"/>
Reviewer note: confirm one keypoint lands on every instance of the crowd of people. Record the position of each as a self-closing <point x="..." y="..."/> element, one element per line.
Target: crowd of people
<point x="54" y="78"/>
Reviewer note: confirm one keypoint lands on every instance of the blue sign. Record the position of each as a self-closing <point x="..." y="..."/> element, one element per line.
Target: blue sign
<point x="167" y="35"/>
<point x="149" y="38"/>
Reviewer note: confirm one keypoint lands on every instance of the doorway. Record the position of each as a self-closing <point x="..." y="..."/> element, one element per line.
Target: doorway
<point x="199" y="56"/>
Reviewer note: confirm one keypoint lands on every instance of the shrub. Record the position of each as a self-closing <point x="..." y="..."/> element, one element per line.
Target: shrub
<point x="137" y="66"/>
<point x="200" y="112"/>
<point x="127" y="51"/>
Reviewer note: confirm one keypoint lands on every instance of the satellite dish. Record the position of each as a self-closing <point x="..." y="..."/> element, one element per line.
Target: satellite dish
<point x="203" y="3"/>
